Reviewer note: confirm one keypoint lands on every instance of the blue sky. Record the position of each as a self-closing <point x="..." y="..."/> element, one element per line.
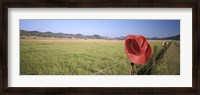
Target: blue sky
<point x="109" y="28"/>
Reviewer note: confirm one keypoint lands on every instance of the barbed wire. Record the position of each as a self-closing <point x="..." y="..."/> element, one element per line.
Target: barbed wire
<point x="152" y="61"/>
<point x="105" y="69"/>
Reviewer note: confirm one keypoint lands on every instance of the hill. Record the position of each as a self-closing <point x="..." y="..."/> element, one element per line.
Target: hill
<point x="176" y="37"/>
<point x="81" y="36"/>
<point x="60" y="35"/>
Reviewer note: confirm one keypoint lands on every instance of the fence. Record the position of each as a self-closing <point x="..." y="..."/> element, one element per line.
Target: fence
<point x="146" y="68"/>
<point x="157" y="55"/>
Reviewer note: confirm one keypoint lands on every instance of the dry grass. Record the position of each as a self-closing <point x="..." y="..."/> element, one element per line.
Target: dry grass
<point x="72" y="40"/>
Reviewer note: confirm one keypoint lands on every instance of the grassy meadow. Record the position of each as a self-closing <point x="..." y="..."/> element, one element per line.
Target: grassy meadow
<point x="170" y="63"/>
<point x="82" y="57"/>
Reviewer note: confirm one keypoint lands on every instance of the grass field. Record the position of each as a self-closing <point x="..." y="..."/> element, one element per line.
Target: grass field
<point x="170" y="63"/>
<point x="75" y="57"/>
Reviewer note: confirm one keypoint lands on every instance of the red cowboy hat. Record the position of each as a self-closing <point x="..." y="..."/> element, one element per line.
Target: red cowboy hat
<point x="137" y="49"/>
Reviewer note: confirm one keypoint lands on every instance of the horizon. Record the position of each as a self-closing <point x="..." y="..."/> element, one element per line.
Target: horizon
<point x="105" y="28"/>
<point x="104" y="36"/>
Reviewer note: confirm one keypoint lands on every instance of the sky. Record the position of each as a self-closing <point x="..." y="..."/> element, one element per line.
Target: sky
<point x="108" y="28"/>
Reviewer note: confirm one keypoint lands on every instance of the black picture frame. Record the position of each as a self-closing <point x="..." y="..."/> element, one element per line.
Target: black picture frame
<point x="194" y="4"/>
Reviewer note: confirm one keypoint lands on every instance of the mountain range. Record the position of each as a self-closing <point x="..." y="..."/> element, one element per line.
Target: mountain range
<point x="81" y="36"/>
<point x="176" y="37"/>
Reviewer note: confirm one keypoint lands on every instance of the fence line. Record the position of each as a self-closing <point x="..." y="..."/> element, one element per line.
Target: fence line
<point x="105" y="69"/>
<point x="152" y="61"/>
<point x="159" y="55"/>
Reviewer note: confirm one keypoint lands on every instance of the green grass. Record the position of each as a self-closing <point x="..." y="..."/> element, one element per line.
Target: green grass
<point x="170" y="63"/>
<point x="74" y="58"/>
